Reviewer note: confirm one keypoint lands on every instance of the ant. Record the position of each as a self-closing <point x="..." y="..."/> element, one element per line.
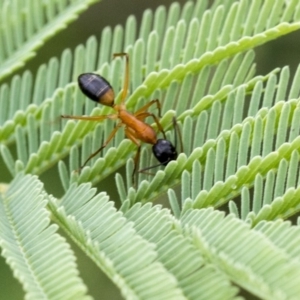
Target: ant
<point x="98" y="89"/>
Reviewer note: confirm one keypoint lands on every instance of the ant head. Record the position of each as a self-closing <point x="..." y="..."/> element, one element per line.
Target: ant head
<point x="96" y="88"/>
<point x="164" y="151"/>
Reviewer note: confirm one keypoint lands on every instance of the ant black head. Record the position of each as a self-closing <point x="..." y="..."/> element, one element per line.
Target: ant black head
<point x="96" y="88"/>
<point x="164" y="151"/>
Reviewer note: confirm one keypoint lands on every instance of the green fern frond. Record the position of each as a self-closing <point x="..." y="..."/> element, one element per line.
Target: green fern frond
<point x="33" y="23"/>
<point x="283" y="235"/>
<point x="153" y="81"/>
<point x="222" y="157"/>
<point x="178" y="255"/>
<point x="45" y="269"/>
<point x="219" y="186"/>
<point x="277" y="197"/>
<point x="57" y="147"/>
<point x="128" y="260"/>
<point x="196" y="241"/>
<point x="237" y="250"/>
<point x="241" y="147"/>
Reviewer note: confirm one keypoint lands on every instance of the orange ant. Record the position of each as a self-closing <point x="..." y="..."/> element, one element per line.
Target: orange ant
<point x="98" y="89"/>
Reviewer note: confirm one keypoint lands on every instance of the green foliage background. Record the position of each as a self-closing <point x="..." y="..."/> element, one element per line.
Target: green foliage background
<point x="238" y="113"/>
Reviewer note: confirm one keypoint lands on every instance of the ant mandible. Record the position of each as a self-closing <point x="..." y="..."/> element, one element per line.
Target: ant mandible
<point x="98" y="89"/>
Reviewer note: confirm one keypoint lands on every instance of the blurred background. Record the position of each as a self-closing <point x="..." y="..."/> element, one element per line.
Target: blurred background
<point x="278" y="53"/>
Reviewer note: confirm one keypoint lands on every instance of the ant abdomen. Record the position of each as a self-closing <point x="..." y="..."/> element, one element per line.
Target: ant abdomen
<point x="96" y="88"/>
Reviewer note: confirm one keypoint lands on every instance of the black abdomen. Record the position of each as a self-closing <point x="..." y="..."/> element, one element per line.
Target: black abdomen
<point x="96" y="88"/>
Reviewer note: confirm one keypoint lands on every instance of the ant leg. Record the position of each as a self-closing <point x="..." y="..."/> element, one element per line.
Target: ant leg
<point x="126" y="79"/>
<point x="144" y="115"/>
<point x="136" y="162"/>
<point x="130" y="134"/>
<point x="90" y="118"/>
<point x="149" y="168"/>
<point x="112" y="134"/>
<point x="145" y="107"/>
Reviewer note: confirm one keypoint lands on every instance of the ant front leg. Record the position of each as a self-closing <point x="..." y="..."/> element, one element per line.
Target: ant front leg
<point x="90" y="118"/>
